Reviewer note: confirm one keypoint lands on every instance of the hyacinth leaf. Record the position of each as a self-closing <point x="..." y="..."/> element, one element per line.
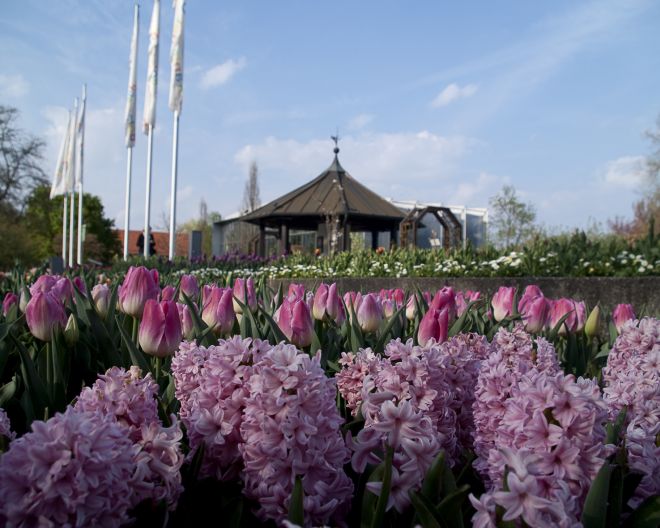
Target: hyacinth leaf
<point x="296" y="509"/>
<point x="380" y="344"/>
<point x="333" y="366"/>
<point x="614" y="428"/>
<point x="457" y="327"/>
<point x="424" y="510"/>
<point x="450" y="507"/>
<point x="647" y="515"/>
<point x="7" y="391"/>
<point x="369" y="499"/>
<point x="137" y="356"/>
<point x="202" y="331"/>
<point x="630" y="482"/>
<point x="384" y="497"/>
<point x="615" y="499"/>
<point x="432" y="485"/>
<point x="605" y="351"/>
<point x="594" y="513"/>
<point x="274" y="327"/>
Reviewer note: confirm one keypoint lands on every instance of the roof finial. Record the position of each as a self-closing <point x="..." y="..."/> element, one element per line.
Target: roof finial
<point x="335" y="138"/>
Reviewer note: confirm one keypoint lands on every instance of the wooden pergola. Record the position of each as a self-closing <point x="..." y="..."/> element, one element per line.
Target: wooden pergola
<point x="453" y="231"/>
<point x="333" y="196"/>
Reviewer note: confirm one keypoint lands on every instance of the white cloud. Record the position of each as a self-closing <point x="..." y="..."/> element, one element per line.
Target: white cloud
<point x="419" y="165"/>
<point x="360" y="121"/>
<point x="222" y="73"/>
<point x="453" y="92"/>
<point x="13" y="86"/>
<point x="626" y="171"/>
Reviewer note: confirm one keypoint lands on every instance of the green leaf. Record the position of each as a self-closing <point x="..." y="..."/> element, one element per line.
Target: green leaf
<point x="274" y="327"/>
<point x="380" y="344"/>
<point x="255" y="332"/>
<point x="7" y="391"/>
<point x="424" y="509"/>
<point x="450" y="507"/>
<point x="614" y="428"/>
<point x="296" y="510"/>
<point x="432" y="485"/>
<point x="35" y="389"/>
<point x="383" y="498"/>
<point x="594" y="513"/>
<point x="202" y="330"/>
<point x="137" y="356"/>
<point x="369" y="499"/>
<point x="647" y="515"/>
<point x="555" y="331"/>
<point x="458" y="324"/>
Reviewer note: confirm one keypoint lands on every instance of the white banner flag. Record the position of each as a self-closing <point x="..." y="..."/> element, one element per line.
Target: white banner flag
<point x="152" y="69"/>
<point x="70" y="173"/>
<point x="59" y="178"/>
<point x="131" y="97"/>
<point x="80" y="140"/>
<point x="176" y="58"/>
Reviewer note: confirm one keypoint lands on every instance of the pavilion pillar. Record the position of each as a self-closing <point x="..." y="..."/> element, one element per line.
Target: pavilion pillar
<point x="374" y="240"/>
<point x="284" y="239"/>
<point x="346" y="244"/>
<point x="262" y="240"/>
<point x="393" y="238"/>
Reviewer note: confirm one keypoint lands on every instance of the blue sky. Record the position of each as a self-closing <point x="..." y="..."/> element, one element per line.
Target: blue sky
<point x="434" y="101"/>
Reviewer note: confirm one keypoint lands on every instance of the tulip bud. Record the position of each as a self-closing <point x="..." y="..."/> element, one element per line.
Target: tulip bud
<point x="167" y="294"/>
<point x="334" y="307"/>
<point x="621" y="314"/>
<point x="244" y="292"/>
<point x="399" y="297"/>
<point x="388" y="308"/>
<point x="71" y="331"/>
<point x="295" y="321"/>
<point x="10" y="305"/>
<point x="187" y="326"/>
<point x="24" y="299"/>
<point x="558" y="309"/>
<point x="160" y="329"/>
<point x="592" y="326"/>
<point x="411" y="308"/>
<point x="320" y="302"/>
<point x="45" y="316"/>
<point x="139" y="286"/>
<point x="535" y="314"/>
<point x="190" y="287"/>
<point x="370" y="313"/>
<point x="218" y="313"/>
<point x="445" y="298"/>
<point x="433" y="326"/>
<point x="101" y="296"/>
<point x="503" y="302"/>
<point x="353" y="299"/>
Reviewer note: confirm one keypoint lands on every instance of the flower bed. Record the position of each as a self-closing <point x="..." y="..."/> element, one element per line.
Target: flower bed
<point x="382" y="408"/>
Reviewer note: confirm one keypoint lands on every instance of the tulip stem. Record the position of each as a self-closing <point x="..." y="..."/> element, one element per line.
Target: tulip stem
<point x="49" y="369"/>
<point x="157" y="365"/>
<point x="135" y="331"/>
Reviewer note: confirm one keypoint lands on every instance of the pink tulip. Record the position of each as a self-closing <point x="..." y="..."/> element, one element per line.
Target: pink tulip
<point x="10" y="300"/>
<point x="206" y="293"/>
<point x="24" y="299"/>
<point x="187" y="326"/>
<point x="189" y="287"/>
<point x="328" y="304"/>
<point x="411" y="308"/>
<point x="295" y="321"/>
<point x="503" y="302"/>
<point x="244" y="292"/>
<point x="398" y="296"/>
<point x="168" y="293"/>
<point x="320" y="301"/>
<point x="79" y="283"/>
<point x="45" y="315"/>
<point x="558" y="309"/>
<point x="139" y="286"/>
<point x="218" y="313"/>
<point x="160" y="328"/>
<point x="59" y="286"/>
<point x="463" y="299"/>
<point x="353" y="299"/>
<point x="621" y="314"/>
<point x="445" y="298"/>
<point x="370" y="313"/>
<point x="296" y="291"/>
<point x="531" y="292"/>
<point x="388" y="308"/>
<point x="101" y="296"/>
<point x="580" y="316"/>
<point x="535" y="313"/>
<point x="433" y="326"/>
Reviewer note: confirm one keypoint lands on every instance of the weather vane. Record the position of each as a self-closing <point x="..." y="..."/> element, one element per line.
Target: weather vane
<point x="335" y="138"/>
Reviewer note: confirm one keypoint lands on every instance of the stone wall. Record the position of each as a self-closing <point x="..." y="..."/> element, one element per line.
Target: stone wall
<point x="642" y="292"/>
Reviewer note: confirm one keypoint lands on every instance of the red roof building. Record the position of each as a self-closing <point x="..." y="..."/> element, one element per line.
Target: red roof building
<point x="162" y="240"/>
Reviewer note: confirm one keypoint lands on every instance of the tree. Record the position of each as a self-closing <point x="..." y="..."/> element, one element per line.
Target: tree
<point x="646" y="211"/>
<point x="251" y="198"/>
<point x="43" y="217"/>
<point x="20" y="156"/>
<point x="512" y="220"/>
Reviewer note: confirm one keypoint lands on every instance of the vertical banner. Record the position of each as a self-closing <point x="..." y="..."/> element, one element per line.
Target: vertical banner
<point x="129" y="122"/>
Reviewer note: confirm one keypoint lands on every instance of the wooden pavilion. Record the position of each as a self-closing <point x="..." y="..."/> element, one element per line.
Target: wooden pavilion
<point x="333" y="204"/>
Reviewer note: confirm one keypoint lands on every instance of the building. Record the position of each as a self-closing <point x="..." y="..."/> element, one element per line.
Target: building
<point x="162" y="240"/>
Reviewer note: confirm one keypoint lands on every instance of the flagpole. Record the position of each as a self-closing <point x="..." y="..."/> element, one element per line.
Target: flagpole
<point x="80" y="185"/>
<point x="127" y="205"/>
<point x="64" y="224"/>
<point x="147" y="205"/>
<point x="175" y="158"/>
<point x="72" y="225"/>
<point x="71" y="181"/>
